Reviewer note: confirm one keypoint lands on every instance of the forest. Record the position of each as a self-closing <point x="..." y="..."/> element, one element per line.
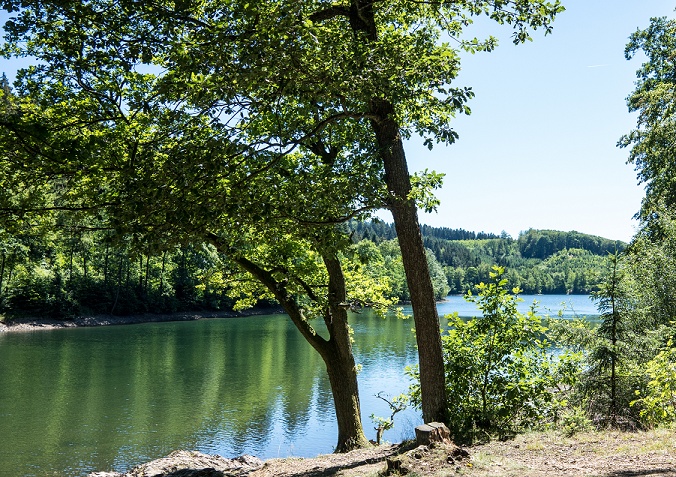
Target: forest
<point x="171" y="156"/>
<point x="70" y="272"/>
<point x="538" y="261"/>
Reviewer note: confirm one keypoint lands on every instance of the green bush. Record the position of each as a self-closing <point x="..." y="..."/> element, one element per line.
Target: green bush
<point x="574" y="420"/>
<point x="501" y="377"/>
<point x="657" y="403"/>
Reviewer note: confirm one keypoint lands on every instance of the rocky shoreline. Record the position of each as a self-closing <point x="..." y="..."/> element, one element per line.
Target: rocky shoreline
<point x="190" y="464"/>
<point x="538" y="454"/>
<point x="433" y="438"/>
<point x="40" y="324"/>
<point x="371" y="461"/>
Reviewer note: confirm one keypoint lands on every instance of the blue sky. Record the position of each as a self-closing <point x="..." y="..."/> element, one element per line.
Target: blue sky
<point x="539" y="149"/>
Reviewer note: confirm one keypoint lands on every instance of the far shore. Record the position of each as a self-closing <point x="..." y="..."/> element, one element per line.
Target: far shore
<point x="40" y="324"/>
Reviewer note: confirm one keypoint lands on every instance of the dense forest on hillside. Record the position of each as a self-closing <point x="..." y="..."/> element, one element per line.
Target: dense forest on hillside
<point x="538" y="261"/>
<point x="70" y="272"/>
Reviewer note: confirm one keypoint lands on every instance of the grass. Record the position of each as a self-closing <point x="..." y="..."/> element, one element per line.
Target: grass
<point x="534" y="445"/>
<point x="482" y="459"/>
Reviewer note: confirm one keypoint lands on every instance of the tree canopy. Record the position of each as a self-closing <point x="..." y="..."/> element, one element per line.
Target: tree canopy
<point x="334" y="85"/>
<point x="652" y="143"/>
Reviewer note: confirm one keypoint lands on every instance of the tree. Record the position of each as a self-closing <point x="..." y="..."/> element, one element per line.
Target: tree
<point x="162" y="178"/>
<point x="335" y="351"/>
<point x="652" y="153"/>
<point x="324" y="77"/>
<point x="654" y="99"/>
<point x="612" y="303"/>
<point x="172" y="201"/>
<point x="651" y="259"/>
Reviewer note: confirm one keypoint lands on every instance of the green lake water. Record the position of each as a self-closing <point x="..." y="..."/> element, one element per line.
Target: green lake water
<point x="80" y="400"/>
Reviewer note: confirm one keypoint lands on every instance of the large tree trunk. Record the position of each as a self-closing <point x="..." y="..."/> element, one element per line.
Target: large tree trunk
<point x="343" y="378"/>
<point x="336" y="352"/>
<point x="340" y="363"/>
<point x="423" y="302"/>
<point x="405" y="214"/>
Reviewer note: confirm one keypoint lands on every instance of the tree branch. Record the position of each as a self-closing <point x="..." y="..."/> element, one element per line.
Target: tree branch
<point x="278" y="289"/>
<point x="330" y="13"/>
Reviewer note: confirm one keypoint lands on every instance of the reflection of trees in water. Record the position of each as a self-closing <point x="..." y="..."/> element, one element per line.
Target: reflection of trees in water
<point x="100" y="398"/>
<point x="377" y="337"/>
<point x="126" y="394"/>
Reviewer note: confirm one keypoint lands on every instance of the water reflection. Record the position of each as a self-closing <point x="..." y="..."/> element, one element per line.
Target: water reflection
<point x="74" y="401"/>
<point x="79" y="400"/>
<point x="569" y="305"/>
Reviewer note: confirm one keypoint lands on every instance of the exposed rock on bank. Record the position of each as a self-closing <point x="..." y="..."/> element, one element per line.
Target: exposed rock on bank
<point x="437" y="453"/>
<point x="542" y="454"/>
<point x="433" y="460"/>
<point x="191" y="464"/>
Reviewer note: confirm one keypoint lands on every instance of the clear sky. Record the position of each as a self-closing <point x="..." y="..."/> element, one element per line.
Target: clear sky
<point x="539" y="149"/>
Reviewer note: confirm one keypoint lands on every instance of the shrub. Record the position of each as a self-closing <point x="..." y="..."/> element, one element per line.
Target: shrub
<point x="657" y="403"/>
<point x="501" y="376"/>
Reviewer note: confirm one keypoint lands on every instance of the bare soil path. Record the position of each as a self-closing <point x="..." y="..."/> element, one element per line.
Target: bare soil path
<point x="589" y="454"/>
<point x="598" y="454"/>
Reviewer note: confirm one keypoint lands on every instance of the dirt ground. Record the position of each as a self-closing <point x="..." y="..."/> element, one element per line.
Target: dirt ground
<point x="600" y="454"/>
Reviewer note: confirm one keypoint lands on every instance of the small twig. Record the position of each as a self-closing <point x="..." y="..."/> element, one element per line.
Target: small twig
<point x="387" y="424"/>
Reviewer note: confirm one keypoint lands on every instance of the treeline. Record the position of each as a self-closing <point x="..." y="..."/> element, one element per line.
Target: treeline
<point x="377" y="231"/>
<point x="64" y="274"/>
<point x="72" y="272"/>
<point x="538" y="261"/>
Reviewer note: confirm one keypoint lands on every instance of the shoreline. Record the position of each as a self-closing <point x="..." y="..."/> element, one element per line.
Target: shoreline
<point x="46" y="324"/>
<point x="532" y="454"/>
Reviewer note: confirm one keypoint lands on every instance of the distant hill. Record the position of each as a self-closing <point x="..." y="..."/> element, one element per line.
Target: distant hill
<point x="545" y="243"/>
<point x="538" y="261"/>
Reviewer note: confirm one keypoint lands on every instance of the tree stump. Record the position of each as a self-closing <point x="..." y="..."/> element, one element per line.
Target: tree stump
<point x="432" y="432"/>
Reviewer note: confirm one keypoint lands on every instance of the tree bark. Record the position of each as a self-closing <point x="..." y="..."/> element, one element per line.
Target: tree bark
<point x="423" y="302"/>
<point x="340" y="364"/>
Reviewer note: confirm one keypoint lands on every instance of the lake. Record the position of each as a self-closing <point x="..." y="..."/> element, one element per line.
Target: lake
<point x="570" y="305"/>
<point x="74" y="401"/>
